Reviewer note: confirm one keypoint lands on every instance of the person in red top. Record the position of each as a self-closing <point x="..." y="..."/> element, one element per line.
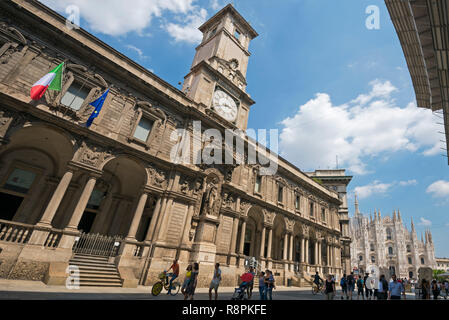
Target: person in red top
<point x="175" y="268"/>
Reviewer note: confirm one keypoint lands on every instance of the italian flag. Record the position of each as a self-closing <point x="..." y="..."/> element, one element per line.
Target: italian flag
<point x="52" y="81"/>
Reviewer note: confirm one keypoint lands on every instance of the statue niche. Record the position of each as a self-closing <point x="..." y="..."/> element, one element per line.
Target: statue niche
<point x="211" y="200"/>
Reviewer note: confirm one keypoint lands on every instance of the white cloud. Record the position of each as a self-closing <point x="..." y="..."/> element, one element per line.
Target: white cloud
<point x="188" y="31"/>
<point x="376" y="187"/>
<point x="137" y="50"/>
<point x="373" y="188"/>
<point x="118" y="17"/>
<point x="408" y="183"/>
<point x="368" y="126"/>
<point x="439" y="189"/>
<point x="215" y="5"/>
<point x="424" y="222"/>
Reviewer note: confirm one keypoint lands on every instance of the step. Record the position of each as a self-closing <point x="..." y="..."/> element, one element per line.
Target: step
<point x="99" y="276"/>
<point x="95" y="284"/>
<point x="92" y="264"/>
<point x="99" y="272"/>
<point x="88" y="256"/>
<point x="83" y="259"/>
<point x="100" y="280"/>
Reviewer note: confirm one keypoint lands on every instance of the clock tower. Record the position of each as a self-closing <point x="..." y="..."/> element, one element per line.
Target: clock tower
<point x="217" y="78"/>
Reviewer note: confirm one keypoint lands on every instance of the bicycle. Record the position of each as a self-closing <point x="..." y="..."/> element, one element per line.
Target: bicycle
<point x="317" y="288"/>
<point x="164" y="284"/>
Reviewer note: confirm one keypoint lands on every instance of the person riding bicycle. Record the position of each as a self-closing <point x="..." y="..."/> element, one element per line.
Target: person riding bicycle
<point x="317" y="280"/>
<point x="175" y="268"/>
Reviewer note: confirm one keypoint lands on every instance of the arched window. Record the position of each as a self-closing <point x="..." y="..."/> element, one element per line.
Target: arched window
<point x="361" y="258"/>
<point x="390" y="250"/>
<point x="373" y="259"/>
<point x="422" y="261"/>
<point x="409" y="249"/>
<point x="409" y="260"/>
<point x="388" y="234"/>
<point x="371" y="247"/>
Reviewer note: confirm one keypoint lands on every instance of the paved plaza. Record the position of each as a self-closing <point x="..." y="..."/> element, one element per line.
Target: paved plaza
<point x="33" y="290"/>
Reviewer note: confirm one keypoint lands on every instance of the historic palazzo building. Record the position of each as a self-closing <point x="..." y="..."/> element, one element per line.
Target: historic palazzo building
<point x="110" y="198"/>
<point x="386" y="243"/>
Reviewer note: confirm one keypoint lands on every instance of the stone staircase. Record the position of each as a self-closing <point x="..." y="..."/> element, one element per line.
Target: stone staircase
<point x="96" y="271"/>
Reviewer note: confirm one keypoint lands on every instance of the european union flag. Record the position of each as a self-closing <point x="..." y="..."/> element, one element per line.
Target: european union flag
<point x="98" y="104"/>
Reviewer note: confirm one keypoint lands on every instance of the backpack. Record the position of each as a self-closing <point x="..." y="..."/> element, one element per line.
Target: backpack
<point x="343" y="282"/>
<point x="350" y="280"/>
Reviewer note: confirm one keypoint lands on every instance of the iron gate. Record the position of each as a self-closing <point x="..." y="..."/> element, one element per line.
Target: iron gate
<point x="97" y="245"/>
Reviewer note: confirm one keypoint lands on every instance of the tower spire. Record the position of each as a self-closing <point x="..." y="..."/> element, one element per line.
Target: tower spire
<point x="413" y="225"/>
<point x="356" y="204"/>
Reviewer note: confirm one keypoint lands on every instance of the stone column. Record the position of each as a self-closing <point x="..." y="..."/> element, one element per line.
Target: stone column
<point x="262" y="243"/>
<point x="290" y="252"/>
<point x="188" y="225"/>
<point x="235" y="230"/>
<point x="137" y="216"/>
<point x="242" y="237"/>
<point x="56" y="199"/>
<point x="302" y="250"/>
<point x="270" y="240"/>
<point x="319" y="253"/>
<point x="316" y="252"/>
<point x="100" y="220"/>
<point x="306" y="251"/>
<point x="154" y="217"/>
<point x="328" y="251"/>
<point x="82" y="203"/>
<point x="159" y="219"/>
<point x="285" y="246"/>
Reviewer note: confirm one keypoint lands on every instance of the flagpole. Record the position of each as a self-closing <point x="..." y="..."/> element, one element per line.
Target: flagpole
<point x="79" y="90"/>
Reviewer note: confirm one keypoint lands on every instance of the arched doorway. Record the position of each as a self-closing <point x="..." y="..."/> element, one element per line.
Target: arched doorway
<point x="253" y="233"/>
<point x="30" y="163"/>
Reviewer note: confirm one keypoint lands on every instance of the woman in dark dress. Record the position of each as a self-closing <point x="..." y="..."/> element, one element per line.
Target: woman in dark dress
<point x="190" y="291"/>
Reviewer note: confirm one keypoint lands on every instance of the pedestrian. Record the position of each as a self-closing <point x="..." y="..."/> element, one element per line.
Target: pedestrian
<point x="360" y="288"/>
<point x="186" y="279"/>
<point x="344" y="287"/>
<point x="262" y="286"/>
<point x="395" y="289"/>
<point x="329" y="288"/>
<point x="435" y="289"/>
<point x="368" y="284"/>
<point x="251" y="285"/>
<point x="425" y="292"/>
<point x="190" y="291"/>
<point x="382" y="290"/>
<point x="269" y="285"/>
<point x="351" y="284"/>
<point x="215" y="283"/>
<point x="446" y="287"/>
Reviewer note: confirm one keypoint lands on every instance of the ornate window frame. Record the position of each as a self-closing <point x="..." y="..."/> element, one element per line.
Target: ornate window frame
<point x="148" y="111"/>
<point x="16" y="164"/>
<point x="78" y="74"/>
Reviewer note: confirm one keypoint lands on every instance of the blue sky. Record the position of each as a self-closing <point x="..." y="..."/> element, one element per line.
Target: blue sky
<point x="331" y="86"/>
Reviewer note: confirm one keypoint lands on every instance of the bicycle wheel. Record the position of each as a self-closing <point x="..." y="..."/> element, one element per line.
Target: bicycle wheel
<point x="175" y="286"/>
<point x="157" y="288"/>
<point x="314" y="291"/>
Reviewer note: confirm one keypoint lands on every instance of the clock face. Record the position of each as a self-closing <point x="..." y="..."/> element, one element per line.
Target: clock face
<point x="225" y="106"/>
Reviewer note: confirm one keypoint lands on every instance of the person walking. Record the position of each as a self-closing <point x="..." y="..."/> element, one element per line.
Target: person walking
<point x="382" y="291"/>
<point x="351" y="284"/>
<point x="425" y="292"/>
<point x="262" y="286"/>
<point x="190" y="291"/>
<point x="329" y="288"/>
<point x="215" y="283"/>
<point x="344" y="287"/>
<point x="395" y="289"/>
<point x="360" y="288"/>
<point x="435" y="289"/>
<point x="186" y="279"/>
<point x="270" y="285"/>
<point x="251" y="285"/>
<point x="446" y="288"/>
